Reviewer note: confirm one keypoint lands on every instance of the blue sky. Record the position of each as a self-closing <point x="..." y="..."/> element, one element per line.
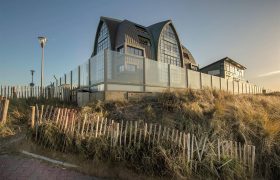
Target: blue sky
<point x="247" y="31"/>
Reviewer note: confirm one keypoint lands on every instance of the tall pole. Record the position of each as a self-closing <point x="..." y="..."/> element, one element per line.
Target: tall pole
<point x="42" y="41"/>
<point x="42" y="69"/>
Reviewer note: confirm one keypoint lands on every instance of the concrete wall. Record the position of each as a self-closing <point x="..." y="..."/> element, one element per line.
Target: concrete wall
<point x="206" y="81"/>
<point x="193" y="79"/>
<point x="216" y="82"/>
<point x="230" y="86"/>
<point x="235" y="87"/>
<point x="223" y="84"/>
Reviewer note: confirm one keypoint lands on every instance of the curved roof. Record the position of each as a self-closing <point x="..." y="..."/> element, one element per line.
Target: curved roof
<point x="112" y="25"/>
<point x="156" y="30"/>
<point x="191" y="58"/>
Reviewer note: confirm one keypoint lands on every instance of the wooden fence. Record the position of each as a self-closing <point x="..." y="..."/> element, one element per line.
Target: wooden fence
<point x="135" y="133"/>
<point x="4" y="105"/>
<point x="62" y="93"/>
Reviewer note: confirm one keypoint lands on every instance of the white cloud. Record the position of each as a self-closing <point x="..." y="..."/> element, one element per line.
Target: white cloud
<point x="269" y="74"/>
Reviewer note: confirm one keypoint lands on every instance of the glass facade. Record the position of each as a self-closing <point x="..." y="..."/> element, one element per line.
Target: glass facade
<point x="169" y="47"/>
<point x="103" y="39"/>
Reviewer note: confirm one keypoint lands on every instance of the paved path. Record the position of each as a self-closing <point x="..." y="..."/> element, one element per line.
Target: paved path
<point x="18" y="167"/>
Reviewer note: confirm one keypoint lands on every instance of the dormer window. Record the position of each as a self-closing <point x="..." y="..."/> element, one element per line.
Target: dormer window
<point x="144" y="41"/>
<point x="186" y="55"/>
<point x="141" y="29"/>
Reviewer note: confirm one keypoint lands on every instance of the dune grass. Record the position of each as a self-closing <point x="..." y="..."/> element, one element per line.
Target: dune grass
<point x="252" y="119"/>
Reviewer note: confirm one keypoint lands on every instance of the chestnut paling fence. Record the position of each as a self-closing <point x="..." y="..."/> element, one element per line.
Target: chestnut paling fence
<point x="4" y="105"/>
<point x="24" y="92"/>
<point x="190" y="149"/>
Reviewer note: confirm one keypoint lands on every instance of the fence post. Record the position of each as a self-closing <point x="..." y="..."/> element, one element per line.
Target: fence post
<point x="96" y="129"/>
<point x="150" y="133"/>
<point x="5" y="111"/>
<point x="219" y="150"/>
<point x="135" y="133"/>
<point x="121" y="132"/>
<point x="101" y="126"/>
<point x="105" y="127"/>
<point x="125" y="132"/>
<point x="130" y="133"/>
<point x="140" y="134"/>
<point x="32" y="116"/>
<point x="159" y="132"/>
<point x="145" y="131"/>
<point x="83" y="126"/>
<point x="184" y="147"/>
<point x="189" y="146"/>
<point x="154" y="134"/>
<point x="253" y="161"/>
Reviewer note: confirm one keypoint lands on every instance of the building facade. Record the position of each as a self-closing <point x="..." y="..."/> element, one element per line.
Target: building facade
<point x="159" y="42"/>
<point x="225" y="68"/>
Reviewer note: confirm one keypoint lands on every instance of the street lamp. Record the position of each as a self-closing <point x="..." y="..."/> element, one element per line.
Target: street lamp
<point x="42" y="41"/>
<point x="56" y="81"/>
<point x="32" y="73"/>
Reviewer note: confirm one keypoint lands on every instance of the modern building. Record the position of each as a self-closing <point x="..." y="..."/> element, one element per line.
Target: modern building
<point x="225" y="68"/>
<point x="158" y="42"/>
<point x="130" y="60"/>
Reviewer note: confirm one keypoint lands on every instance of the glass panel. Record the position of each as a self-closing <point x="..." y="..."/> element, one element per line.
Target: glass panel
<point x="124" y="68"/>
<point x="97" y="68"/>
<point x="62" y="80"/>
<point x="68" y="79"/>
<point x="84" y="75"/>
<point x="156" y="73"/>
<point x="75" y="78"/>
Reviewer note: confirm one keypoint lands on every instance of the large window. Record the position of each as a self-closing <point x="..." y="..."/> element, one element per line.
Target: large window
<point x="103" y="39"/>
<point x="233" y="71"/>
<point x="169" y="47"/>
<point x="134" y="51"/>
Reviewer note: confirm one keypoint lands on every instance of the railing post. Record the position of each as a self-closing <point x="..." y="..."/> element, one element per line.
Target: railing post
<point x="144" y="74"/>
<point x="89" y="78"/>
<point x="79" y="76"/>
<point x="187" y="77"/>
<point x="211" y="81"/>
<point x="105" y="69"/>
<point x="200" y="80"/>
<point x="169" y="77"/>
